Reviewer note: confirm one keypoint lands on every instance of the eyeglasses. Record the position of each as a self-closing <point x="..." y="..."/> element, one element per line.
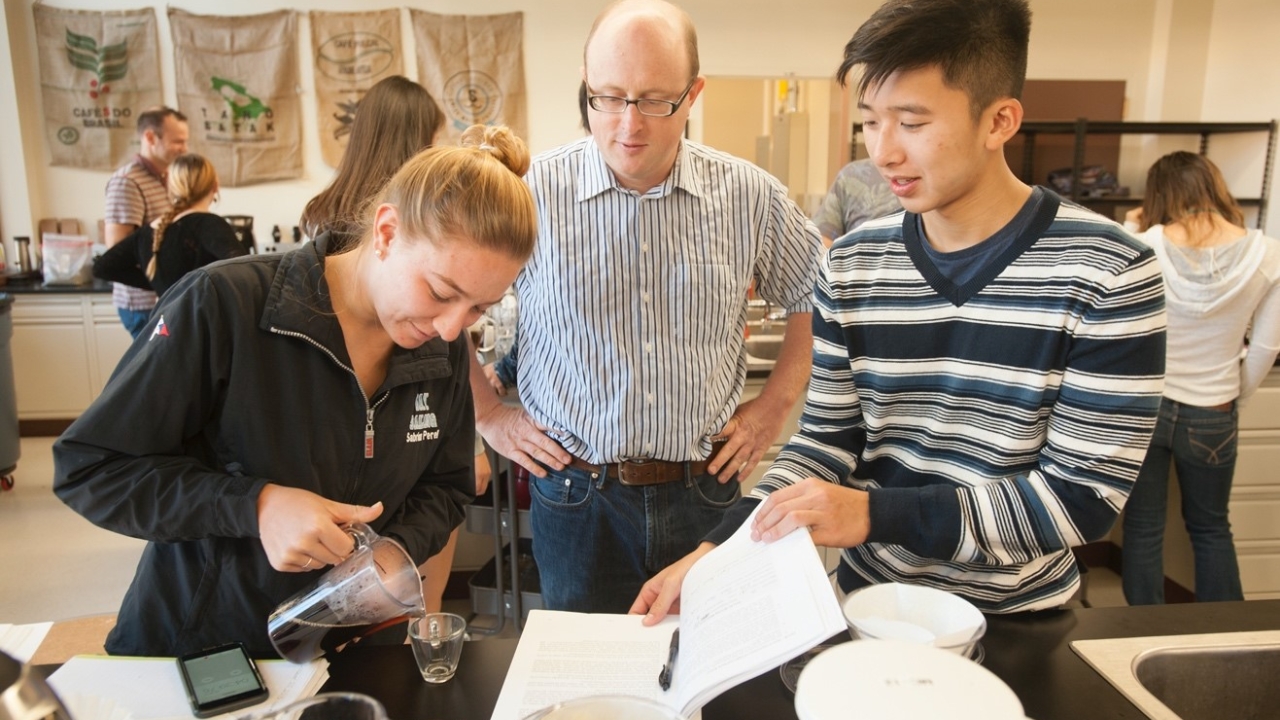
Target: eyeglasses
<point x="647" y="106"/>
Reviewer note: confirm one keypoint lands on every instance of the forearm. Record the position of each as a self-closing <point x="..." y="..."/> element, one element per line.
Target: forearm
<point x="1264" y="339"/>
<point x="115" y="232"/>
<point x="483" y="395"/>
<point x="156" y="497"/>
<point x="790" y="374"/>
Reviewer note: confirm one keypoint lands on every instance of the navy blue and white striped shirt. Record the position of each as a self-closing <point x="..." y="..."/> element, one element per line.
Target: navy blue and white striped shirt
<point x="633" y="306"/>
<point x="996" y="424"/>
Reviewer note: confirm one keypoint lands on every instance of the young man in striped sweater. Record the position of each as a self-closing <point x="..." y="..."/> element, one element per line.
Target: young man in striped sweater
<point x="987" y="365"/>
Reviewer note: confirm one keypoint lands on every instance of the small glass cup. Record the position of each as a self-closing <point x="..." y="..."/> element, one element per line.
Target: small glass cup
<point x="437" y="644"/>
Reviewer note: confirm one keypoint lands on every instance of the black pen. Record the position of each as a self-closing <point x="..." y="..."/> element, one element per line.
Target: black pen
<point x="664" y="677"/>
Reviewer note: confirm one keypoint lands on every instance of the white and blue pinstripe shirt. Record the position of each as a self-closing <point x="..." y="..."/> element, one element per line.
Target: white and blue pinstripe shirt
<point x="633" y="306"/>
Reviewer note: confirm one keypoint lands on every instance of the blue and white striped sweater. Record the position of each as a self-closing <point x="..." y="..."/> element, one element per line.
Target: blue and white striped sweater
<point x="996" y="424"/>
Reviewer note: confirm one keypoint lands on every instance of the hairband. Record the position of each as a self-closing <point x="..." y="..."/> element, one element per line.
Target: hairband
<point x="487" y="146"/>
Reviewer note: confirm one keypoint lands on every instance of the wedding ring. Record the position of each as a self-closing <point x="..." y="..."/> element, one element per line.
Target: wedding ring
<point x="304" y="567"/>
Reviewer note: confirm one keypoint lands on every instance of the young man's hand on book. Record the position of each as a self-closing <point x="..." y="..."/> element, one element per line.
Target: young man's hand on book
<point x="661" y="594"/>
<point x="836" y="516"/>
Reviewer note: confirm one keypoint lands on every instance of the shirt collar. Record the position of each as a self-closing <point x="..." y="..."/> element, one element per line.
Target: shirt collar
<point x="596" y="177"/>
<point x="151" y="168"/>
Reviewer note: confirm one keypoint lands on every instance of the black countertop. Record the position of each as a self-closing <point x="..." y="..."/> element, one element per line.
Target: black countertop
<point x="1029" y="652"/>
<point x="34" y="285"/>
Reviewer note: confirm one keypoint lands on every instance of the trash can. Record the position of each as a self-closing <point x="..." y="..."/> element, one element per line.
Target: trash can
<point x="9" y="447"/>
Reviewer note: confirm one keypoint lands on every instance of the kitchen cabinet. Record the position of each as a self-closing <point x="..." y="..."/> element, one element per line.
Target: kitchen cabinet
<point x="1255" y="494"/>
<point x="65" y="347"/>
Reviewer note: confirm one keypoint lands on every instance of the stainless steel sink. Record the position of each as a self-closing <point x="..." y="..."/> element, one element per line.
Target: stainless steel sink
<point x="764" y="347"/>
<point x="1218" y="676"/>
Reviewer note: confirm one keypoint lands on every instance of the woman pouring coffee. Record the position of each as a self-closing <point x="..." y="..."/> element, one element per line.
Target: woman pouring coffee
<point x="274" y="399"/>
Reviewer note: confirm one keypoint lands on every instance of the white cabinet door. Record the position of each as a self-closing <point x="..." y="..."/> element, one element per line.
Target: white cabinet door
<point x="51" y="369"/>
<point x="108" y="339"/>
<point x="65" y="346"/>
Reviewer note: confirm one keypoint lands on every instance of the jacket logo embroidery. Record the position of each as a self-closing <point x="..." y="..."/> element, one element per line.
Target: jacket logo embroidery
<point x="422" y="424"/>
<point x="160" y="329"/>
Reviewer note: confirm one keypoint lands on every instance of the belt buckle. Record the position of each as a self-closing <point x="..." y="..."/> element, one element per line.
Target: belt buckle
<point x="643" y="469"/>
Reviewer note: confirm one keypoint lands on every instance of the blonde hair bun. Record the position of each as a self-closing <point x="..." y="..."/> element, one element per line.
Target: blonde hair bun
<point x="501" y="143"/>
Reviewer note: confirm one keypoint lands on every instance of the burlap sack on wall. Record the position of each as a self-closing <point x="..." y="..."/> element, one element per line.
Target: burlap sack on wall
<point x="98" y="72"/>
<point x="473" y="65"/>
<point x="237" y="79"/>
<point x="352" y="52"/>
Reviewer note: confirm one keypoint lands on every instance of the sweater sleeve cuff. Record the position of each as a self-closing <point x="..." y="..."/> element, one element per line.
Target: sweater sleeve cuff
<point x="732" y="520"/>
<point x="924" y="520"/>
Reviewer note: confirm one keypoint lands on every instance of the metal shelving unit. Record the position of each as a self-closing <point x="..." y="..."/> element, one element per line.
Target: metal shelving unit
<point x="1081" y="128"/>
<point x="506" y="587"/>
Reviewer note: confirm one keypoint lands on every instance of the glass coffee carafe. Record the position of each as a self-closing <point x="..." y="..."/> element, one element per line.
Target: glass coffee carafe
<point x="376" y="587"/>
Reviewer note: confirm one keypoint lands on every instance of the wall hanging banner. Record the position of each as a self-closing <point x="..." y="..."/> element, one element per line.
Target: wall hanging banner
<point x="352" y="52"/>
<point x="473" y="65"/>
<point x="98" y="71"/>
<point x="237" y="79"/>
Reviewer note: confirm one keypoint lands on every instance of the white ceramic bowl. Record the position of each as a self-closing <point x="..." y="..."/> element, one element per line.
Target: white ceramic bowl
<point x="913" y="613"/>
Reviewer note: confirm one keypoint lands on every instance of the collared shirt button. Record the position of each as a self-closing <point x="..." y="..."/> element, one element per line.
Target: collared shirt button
<point x="648" y="347"/>
<point x="644" y="247"/>
<point x="645" y="296"/>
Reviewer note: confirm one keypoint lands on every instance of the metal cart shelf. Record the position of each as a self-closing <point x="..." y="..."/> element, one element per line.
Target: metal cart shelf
<point x="1081" y="128"/>
<point x="507" y="586"/>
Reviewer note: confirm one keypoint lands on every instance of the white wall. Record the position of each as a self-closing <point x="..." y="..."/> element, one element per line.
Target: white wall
<point x="1216" y="47"/>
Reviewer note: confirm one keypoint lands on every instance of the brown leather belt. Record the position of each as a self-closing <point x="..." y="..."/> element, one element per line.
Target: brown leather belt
<point x="1224" y="407"/>
<point x="644" y="471"/>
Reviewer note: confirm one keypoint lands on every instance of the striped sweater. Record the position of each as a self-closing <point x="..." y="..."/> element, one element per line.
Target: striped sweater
<point x="996" y="424"/>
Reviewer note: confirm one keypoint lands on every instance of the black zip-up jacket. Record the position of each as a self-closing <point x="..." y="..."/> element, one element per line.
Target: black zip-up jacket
<point x="242" y="378"/>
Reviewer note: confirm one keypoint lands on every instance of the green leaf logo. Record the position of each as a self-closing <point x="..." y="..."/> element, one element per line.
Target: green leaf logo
<point x="243" y="105"/>
<point x="108" y="63"/>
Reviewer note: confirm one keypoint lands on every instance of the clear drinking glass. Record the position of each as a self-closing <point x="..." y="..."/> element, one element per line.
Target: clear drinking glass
<point x="437" y="644"/>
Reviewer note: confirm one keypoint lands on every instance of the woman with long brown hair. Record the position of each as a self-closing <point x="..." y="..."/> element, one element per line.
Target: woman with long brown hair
<point x="394" y="121"/>
<point x="186" y="237"/>
<point x="1222" y="294"/>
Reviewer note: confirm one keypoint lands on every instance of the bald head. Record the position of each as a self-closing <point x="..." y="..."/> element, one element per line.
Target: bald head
<point x="651" y="16"/>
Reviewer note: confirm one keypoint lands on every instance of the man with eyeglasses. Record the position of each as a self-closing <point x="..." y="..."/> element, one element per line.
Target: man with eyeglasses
<point x="632" y="310"/>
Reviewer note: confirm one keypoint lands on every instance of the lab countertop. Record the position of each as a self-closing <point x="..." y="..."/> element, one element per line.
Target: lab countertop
<point x="34" y="285"/>
<point x="1029" y="652"/>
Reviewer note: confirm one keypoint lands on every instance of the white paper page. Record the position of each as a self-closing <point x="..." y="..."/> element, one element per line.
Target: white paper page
<point x="151" y="689"/>
<point x="564" y="655"/>
<point x="20" y="642"/>
<point x="748" y="607"/>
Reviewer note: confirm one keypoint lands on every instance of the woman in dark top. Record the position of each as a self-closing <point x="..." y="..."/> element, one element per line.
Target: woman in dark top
<point x="156" y="256"/>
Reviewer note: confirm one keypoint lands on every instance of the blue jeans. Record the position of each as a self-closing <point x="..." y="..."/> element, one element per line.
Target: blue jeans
<point x="135" y="321"/>
<point x="597" y="541"/>
<point x="1201" y="443"/>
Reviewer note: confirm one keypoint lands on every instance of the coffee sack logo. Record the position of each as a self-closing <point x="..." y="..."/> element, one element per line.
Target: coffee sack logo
<point x="68" y="135"/>
<point x="344" y="117"/>
<point x="244" y="113"/>
<point x="354" y="56"/>
<point x="471" y="97"/>
<point x="108" y="63"/>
